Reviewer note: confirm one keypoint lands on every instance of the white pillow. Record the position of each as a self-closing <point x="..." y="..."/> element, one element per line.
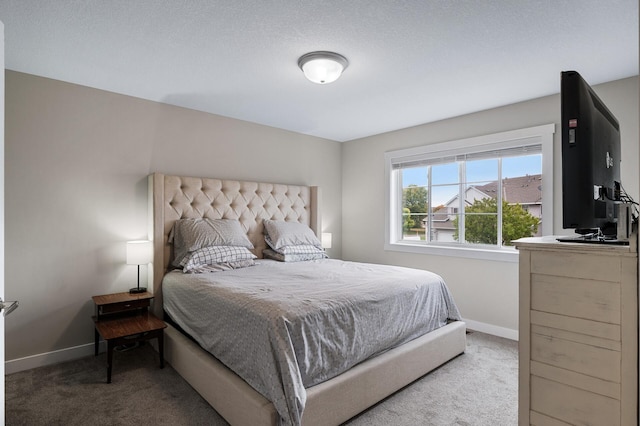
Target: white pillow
<point x="290" y="234"/>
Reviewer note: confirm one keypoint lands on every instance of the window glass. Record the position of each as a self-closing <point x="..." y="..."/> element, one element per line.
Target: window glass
<point x="445" y="210"/>
<point x="414" y="202"/>
<point x="523" y="198"/>
<point x="482" y="170"/>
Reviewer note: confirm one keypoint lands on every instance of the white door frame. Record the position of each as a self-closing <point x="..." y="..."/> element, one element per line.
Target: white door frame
<point x="2" y="393"/>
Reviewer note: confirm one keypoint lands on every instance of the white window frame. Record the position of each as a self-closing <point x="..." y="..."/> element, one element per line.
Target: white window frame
<point x="542" y="135"/>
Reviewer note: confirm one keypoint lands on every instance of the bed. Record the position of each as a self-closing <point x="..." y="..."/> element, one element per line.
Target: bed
<point x="329" y="402"/>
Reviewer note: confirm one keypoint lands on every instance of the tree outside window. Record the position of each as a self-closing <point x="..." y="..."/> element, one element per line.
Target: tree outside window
<point x="414" y="202"/>
<point x="481" y="222"/>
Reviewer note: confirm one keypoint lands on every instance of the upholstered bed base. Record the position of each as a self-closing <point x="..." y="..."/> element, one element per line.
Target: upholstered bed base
<point x="329" y="403"/>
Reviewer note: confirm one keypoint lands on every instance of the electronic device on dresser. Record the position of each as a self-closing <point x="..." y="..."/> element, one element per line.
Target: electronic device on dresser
<point x="592" y="194"/>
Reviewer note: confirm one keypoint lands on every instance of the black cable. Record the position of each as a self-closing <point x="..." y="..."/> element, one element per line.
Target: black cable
<point x="626" y="198"/>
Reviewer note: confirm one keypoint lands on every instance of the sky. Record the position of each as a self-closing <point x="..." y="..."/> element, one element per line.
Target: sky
<point x="445" y="179"/>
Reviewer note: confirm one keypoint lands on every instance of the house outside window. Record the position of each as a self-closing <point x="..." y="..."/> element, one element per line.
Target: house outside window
<point x="471" y="197"/>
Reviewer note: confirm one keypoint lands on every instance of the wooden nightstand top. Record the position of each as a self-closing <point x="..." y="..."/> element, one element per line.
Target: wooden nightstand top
<point x="108" y="299"/>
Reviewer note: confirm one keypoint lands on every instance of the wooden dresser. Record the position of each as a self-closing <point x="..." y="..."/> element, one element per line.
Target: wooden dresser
<point x="578" y="333"/>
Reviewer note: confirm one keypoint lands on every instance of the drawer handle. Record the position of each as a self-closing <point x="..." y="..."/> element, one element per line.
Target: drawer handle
<point x="127" y="306"/>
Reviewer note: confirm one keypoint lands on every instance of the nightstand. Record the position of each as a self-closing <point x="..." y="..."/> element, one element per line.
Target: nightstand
<point x="124" y="318"/>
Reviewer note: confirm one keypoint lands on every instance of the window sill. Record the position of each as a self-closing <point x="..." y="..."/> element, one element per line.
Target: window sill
<point x="509" y="255"/>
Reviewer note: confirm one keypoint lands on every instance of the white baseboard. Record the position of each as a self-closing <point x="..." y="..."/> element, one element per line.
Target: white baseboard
<point x="50" y="358"/>
<point x="69" y="354"/>
<point x="495" y="330"/>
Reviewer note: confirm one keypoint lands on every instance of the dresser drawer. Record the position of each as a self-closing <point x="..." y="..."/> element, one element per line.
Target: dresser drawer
<point x="571" y="405"/>
<point x="588" y="266"/>
<point x="581" y="358"/>
<point x="580" y="298"/>
<point x="129" y="305"/>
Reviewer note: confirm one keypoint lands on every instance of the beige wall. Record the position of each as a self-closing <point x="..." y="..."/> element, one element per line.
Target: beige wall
<point x="76" y="166"/>
<point x="486" y="291"/>
<point x="76" y="190"/>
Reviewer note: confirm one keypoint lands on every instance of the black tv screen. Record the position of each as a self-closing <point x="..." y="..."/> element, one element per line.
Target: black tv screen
<point x="590" y="159"/>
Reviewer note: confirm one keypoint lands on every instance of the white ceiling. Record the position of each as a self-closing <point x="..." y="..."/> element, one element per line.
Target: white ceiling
<point x="411" y="62"/>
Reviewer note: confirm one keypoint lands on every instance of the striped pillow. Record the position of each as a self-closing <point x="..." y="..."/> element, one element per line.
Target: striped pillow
<point x="298" y="257"/>
<point x="215" y="254"/>
<point x="299" y="249"/>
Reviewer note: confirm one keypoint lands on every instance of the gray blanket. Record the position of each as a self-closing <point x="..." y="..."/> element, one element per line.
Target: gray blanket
<point x="283" y="327"/>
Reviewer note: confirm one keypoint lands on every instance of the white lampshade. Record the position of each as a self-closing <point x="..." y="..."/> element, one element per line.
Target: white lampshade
<point x="139" y="252"/>
<point x="322" y="67"/>
<point x="326" y="240"/>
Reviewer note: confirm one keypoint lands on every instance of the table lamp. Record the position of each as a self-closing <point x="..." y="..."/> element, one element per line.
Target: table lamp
<point x="326" y="240"/>
<point x="139" y="253"/>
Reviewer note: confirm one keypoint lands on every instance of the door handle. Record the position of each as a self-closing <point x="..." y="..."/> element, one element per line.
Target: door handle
<point x="7" y="307"/>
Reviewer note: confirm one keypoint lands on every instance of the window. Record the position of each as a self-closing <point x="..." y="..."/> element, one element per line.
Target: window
<point x="471" y="197"/>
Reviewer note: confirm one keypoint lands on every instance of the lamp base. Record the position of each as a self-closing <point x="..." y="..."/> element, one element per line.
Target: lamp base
<point x="137" y="290"/>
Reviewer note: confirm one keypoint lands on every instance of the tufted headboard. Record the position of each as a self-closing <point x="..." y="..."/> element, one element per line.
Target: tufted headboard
<point x="176" y="197"/>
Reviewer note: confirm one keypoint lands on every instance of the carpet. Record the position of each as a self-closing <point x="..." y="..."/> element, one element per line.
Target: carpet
<point x="479" y="387"/>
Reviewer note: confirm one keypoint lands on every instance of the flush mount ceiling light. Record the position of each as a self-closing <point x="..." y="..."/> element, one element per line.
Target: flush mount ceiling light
<point x="322" y="67"/>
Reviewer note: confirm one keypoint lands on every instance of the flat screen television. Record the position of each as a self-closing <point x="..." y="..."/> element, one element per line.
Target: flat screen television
<point x="590" y="162"/>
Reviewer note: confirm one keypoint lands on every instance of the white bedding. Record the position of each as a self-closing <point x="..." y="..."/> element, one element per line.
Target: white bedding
<point x="286" y="326"/>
